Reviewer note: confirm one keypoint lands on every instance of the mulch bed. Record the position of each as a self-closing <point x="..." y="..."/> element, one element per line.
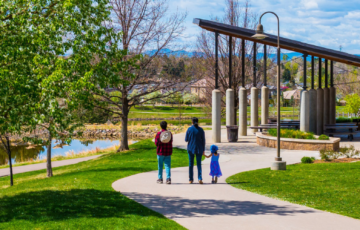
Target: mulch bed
<point x="340" y="160"/>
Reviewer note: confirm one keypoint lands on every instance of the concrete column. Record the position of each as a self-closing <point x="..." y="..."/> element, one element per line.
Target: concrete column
<point x="242" y="111"/>
<point x="312" y="110"/>
<point x="304" y="112"/>
<point x="264" y="105"/>
<point x="230" y="112"/>
<point x="332" y="103"/>
<point x="326" y="106"/>
<point x="216" y="116"/>
<point x="254" y="108"/>
<point x="320" y="112"/>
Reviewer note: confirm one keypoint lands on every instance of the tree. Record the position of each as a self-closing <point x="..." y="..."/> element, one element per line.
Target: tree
<point x="352" y="104"/>
<point x="190" y="98"/>
<point x="34" y="34"/>
<point x="286" y="76"/>
<point x="150" y="97"/>
<point x="144" y="25"/>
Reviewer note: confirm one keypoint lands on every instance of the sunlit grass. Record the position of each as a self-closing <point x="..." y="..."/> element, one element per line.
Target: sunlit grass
<point x="331" y="187"/>
<point x="80" y="196"/>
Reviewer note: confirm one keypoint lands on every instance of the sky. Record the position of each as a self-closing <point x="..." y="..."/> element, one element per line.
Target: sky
<point x="326" y="23"/>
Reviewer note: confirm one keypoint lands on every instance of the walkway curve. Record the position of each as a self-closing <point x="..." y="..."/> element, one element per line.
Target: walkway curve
<point x="39" y="166"/>
<point x="222" y="206"/>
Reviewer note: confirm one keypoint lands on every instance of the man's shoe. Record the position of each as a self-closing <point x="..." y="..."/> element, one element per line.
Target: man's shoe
<point x="168" y="181"/>
<point x="159" y="181"/>
<point x="200" y="182"/>
<point x="190" y="182"/>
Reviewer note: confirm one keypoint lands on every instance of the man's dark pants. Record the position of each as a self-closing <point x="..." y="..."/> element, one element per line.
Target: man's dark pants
<point x="191" y="165"/>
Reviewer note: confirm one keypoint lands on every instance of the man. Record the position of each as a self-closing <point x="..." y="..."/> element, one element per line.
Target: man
<point x="163" y="142"/>
<point x="195" y="136"/>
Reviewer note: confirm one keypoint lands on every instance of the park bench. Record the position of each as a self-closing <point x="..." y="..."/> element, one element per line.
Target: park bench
<point x="294" y="124"/>
<point x="267" y="126"/>
<point x="341" y="129"/>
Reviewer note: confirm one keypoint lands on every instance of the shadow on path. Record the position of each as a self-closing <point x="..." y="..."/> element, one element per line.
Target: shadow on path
<point x="182" y="208"/>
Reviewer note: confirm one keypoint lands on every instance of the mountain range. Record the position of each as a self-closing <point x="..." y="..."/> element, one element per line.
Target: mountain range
<point x="179" y="53"/>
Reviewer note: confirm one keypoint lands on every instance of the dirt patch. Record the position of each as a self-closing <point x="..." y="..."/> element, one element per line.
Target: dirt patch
<point x="341" y="160"/>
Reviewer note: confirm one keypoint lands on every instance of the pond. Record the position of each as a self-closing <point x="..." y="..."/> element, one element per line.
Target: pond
<point x="23" y="154"/>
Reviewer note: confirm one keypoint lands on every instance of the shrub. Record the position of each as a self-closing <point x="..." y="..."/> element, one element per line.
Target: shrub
<point x="323" y="155"/>
<point x="291" y="133"/>
<point x="343" y="120"/>
<point x="349" y="152"/>
<point x="307" y="160"/>
<point x="324" y="137"/>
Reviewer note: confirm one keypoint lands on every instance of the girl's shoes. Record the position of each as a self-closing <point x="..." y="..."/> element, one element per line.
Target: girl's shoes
<point x="212" y="182"/>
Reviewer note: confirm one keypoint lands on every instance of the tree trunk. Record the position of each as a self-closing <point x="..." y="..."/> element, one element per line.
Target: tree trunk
<point x="124" y="145"/>
<point x="48" y="156"/>
<point x="10" y="163"/>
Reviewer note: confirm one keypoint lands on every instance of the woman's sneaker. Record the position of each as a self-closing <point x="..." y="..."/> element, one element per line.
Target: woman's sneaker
<point x="168" y="181"/>
<point x="159" y="181"/>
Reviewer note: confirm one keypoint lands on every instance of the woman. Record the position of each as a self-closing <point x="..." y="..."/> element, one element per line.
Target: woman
<point x="195" y="136"/>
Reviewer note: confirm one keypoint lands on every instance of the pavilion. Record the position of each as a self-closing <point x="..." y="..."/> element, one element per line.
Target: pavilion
<point x="319" y="107"/>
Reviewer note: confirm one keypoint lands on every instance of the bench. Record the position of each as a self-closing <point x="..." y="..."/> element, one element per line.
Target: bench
<point x="261" y="127"/>
<point x="341" y="129"/>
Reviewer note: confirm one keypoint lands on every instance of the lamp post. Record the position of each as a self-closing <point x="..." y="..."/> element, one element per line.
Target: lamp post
<point x="278" y="164"/>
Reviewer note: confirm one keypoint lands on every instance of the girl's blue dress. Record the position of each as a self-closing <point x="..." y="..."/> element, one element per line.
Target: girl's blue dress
<point x="215" y="166"/>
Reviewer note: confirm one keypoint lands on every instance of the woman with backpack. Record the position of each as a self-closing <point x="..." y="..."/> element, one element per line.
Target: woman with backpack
<point x="163" y="142"/>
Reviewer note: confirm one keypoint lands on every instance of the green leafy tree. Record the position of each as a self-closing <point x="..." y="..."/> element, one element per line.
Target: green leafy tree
<point x="352" y="104"/>
<point x="35" y="36"/>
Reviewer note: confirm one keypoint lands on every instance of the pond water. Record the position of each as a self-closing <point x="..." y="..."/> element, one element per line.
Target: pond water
<point x="22" y="154"/>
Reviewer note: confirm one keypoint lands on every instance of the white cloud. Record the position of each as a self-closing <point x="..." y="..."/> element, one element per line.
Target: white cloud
<point x="308" y="4"/>
<point x="353" y="15"/>
<point x="328" y="23"/>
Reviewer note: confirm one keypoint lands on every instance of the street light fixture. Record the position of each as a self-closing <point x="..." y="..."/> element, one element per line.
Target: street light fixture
<point x="278" y="164"/>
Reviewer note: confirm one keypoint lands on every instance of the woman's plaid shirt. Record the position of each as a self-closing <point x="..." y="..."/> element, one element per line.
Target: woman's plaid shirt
<point x="163" y="149"/>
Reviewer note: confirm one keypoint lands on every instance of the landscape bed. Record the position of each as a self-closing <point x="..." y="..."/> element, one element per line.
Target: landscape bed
<point x="297" y="144"/>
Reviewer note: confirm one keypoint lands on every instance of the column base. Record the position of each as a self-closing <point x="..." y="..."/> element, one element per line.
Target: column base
<point x="278" y="165"/>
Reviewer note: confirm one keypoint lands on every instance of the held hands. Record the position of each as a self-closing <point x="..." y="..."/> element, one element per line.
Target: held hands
<point x="205" y="155"/>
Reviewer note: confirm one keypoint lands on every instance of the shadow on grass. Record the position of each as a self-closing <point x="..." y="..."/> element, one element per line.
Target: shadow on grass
<point x="76" y="203"/>
<point x="240" y="182"/>
<point x="179" y="207"/>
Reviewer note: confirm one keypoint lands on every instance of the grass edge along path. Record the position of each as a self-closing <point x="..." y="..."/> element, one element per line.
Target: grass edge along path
<point x="80" y="196"/>
<point x="328" y="187"/>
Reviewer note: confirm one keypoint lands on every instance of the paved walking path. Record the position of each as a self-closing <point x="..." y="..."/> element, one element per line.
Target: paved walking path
<point x="34" y="167"/>
<point x="222" y="206"/>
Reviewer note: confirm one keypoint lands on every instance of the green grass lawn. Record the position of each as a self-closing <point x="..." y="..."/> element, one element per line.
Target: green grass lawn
<point x="331" y="187"/>
<point x="80" y="196"/>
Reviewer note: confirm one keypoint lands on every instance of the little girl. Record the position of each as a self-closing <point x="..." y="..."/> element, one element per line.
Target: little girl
<point x="215" y="170"/>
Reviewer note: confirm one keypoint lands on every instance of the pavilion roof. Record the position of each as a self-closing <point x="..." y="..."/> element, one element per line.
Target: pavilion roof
<point x="285" y="43"/>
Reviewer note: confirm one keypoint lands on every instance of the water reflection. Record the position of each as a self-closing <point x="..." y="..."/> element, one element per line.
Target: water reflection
<point x="23" y="154"/>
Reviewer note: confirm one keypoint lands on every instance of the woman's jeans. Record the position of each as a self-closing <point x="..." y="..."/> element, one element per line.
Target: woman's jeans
<point x="191" y="165"/>
<point x="167" y="161"/>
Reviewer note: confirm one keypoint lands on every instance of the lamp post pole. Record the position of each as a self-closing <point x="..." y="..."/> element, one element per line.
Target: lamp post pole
<point x="278" y="164"/>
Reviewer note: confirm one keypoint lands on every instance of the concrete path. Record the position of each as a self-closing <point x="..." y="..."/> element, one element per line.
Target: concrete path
<point x="34" y="167"/>
<point x="221" y="206"/>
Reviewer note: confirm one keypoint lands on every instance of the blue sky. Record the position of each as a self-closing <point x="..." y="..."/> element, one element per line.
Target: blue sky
<point x="327" y="23"/>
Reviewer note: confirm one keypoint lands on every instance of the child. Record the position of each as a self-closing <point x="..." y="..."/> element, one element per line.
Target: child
<point x="215" y="170"/>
